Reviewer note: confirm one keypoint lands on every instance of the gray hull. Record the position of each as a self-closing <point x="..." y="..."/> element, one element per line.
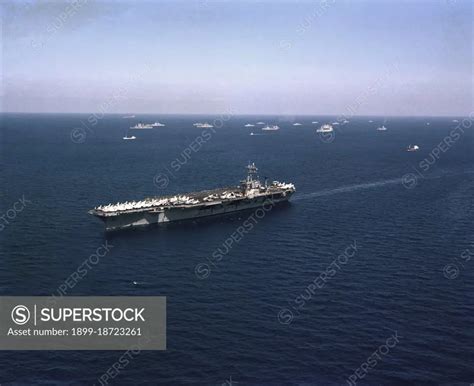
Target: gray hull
<point x="143" y="218"/>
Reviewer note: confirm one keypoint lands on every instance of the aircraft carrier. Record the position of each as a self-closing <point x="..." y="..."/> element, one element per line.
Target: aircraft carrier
<point x="251" y="193"/>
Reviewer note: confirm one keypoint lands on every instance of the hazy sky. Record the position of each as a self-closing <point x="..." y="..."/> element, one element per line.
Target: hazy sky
<point x="290" y="57"/>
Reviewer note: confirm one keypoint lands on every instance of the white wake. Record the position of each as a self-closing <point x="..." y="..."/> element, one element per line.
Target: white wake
<point x="348" y="188"/>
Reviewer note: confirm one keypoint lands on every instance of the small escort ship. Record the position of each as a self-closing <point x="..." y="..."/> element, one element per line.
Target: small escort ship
<point x="153" y="210"/>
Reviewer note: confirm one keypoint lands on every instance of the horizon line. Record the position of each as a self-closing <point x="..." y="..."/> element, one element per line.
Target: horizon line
<point x="241" y="114"/>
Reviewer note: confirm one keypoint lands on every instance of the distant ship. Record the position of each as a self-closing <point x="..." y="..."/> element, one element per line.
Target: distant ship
<point x="271" y="128"/>
<point x="382" y="128"/>
<point x="455" y="120"/>
<point x="128" y="116"/>
<point x="157" y="124"/>
<point x="203" y="125"/>
<point x="129" y="137"/>
<point x="326" y="128"/>
<point x="413" y="148"/>
<point x="142" y="126"/>
<point x="335" y="123"/>
<point x="260" y="123"/>
<point x="250" y="194"/>
<point x="249" y="125"/>
<point x="296" y="124"/>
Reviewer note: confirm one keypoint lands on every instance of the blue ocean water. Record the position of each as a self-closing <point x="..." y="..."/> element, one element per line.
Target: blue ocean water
<point x="263" y="315"/>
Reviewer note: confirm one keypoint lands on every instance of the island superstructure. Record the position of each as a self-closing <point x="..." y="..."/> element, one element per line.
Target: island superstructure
<point x="251" y="193"/>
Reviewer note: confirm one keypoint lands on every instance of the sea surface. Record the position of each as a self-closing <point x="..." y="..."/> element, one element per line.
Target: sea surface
<point x="392" y="230"/>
